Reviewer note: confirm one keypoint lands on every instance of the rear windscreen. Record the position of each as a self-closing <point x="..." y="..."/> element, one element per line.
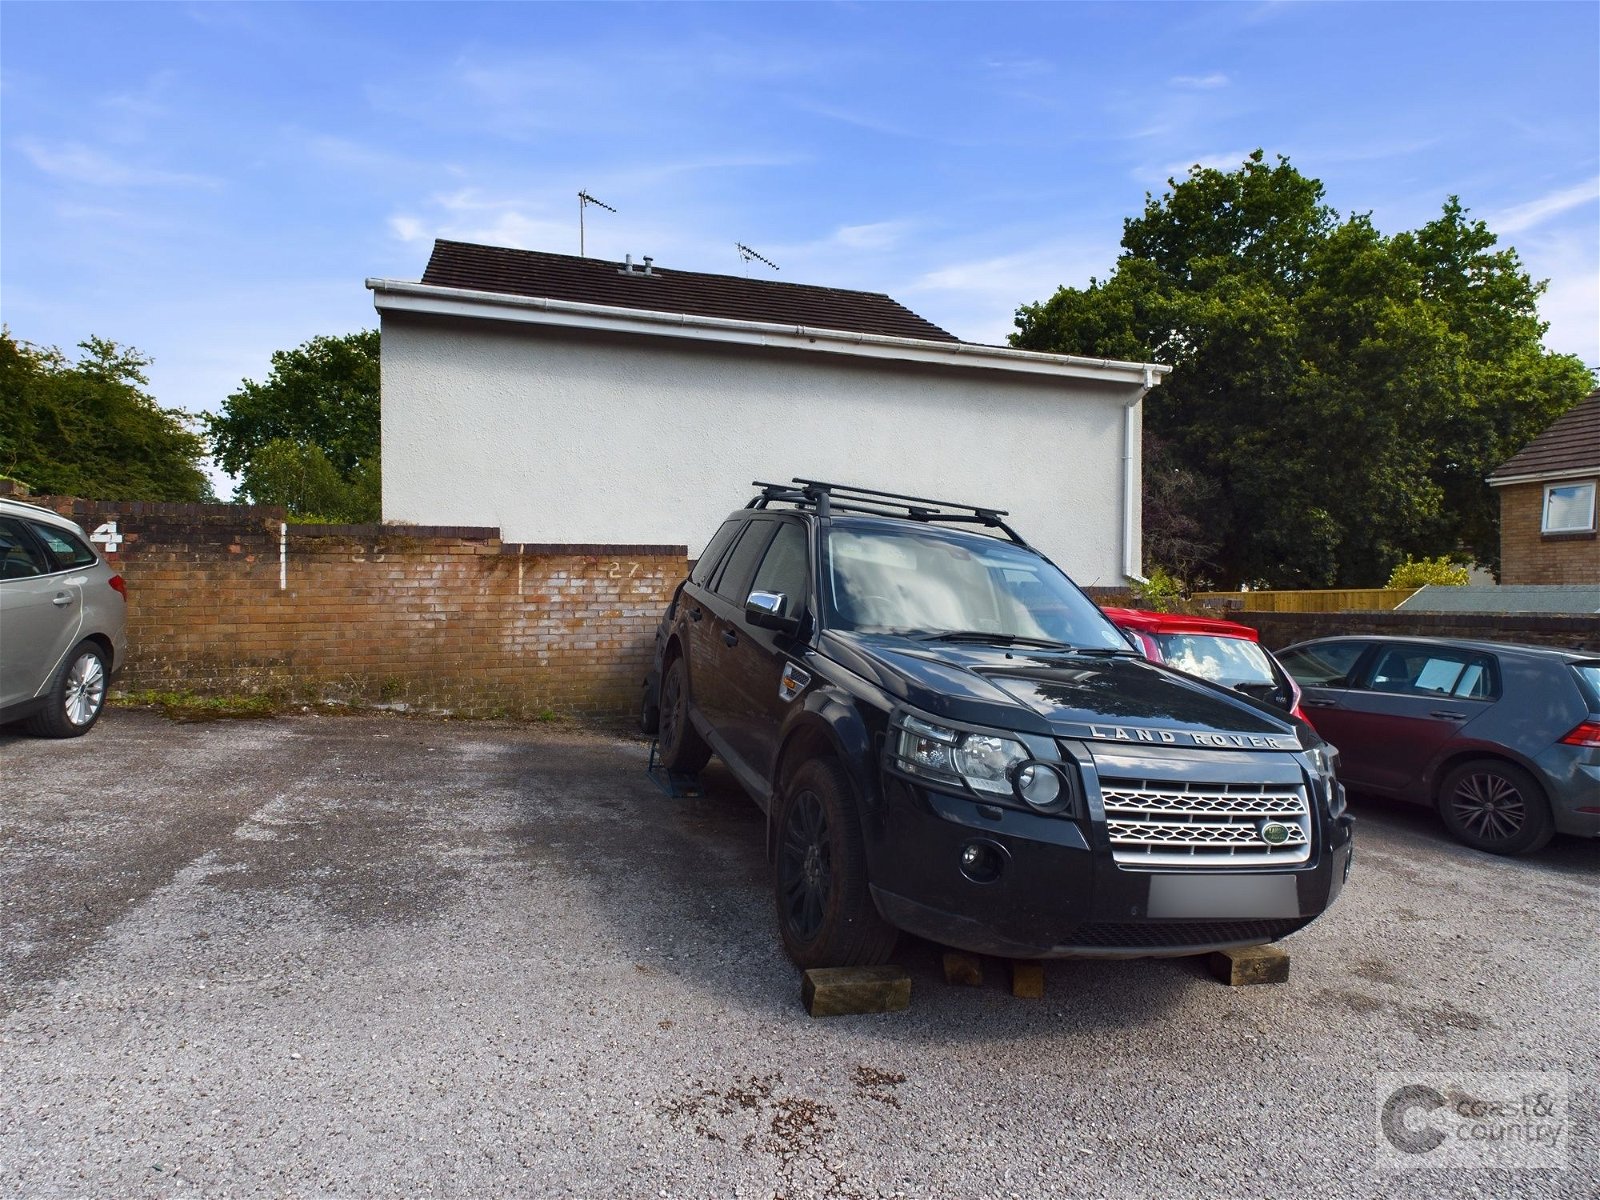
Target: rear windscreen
<point x="1224" y="660"/>
<point x="1589" y="683"/>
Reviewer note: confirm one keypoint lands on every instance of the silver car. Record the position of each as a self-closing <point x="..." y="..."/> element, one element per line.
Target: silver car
<point x="63" y="623"/>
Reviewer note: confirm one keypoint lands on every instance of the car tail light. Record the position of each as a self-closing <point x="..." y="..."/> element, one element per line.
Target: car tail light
<point x="1299" y="714"/>
<point x="118" y="586"/>
<point x="1151" y="648"/>
<point x="1586" y="734"/>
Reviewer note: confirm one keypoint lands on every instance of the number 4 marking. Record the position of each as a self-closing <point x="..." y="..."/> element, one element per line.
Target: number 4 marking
<point x="107" y="536"/>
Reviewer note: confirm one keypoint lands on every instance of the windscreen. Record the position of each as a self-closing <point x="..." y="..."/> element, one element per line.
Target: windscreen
<point x="931" y="581"/>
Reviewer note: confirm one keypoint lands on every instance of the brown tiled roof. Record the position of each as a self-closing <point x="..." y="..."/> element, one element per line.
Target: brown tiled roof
<point x="599" y="281"/>
<point x="1572" y="443"/>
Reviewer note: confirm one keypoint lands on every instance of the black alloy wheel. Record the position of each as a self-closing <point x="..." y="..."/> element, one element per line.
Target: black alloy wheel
<point x="682" y="749"/>
<point x="805" y="867"/>
<point x="1496" y="807"/>
<point x="826" y="915"/>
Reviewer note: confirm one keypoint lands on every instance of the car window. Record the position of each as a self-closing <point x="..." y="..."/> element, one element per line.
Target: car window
<point x="66" y="548"/>
<point x="930" y="581"/>
<point x="1326" y="665"/>
<point x="1589" y="683"/>
<point x="18" y="558"/>
<point x="1432" y="671"/>
<point x="783" y="569"/>
<point x="733" y="580"/>
<point x="1224" y="660"/>
<point x="712" y="554"/>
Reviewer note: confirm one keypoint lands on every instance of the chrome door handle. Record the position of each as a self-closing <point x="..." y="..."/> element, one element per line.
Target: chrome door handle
<point x="61" y="599"/>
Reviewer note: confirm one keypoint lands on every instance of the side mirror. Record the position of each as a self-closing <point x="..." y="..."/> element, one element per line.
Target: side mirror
<point x="765" y="610"/>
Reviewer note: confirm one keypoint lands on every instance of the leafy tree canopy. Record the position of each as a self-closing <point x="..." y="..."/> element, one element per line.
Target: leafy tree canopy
<point x="1338" y="396"/>
<point x="308" y="438"/>
<point x="89" y="428"/>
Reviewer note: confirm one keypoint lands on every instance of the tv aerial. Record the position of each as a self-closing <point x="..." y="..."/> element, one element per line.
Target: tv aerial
<point x="748" y="254"/>
<point x="584" y="200"/>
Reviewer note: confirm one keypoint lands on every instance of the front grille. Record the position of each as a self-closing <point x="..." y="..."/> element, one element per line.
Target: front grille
<point x="1155" y="935"/>
<point x="1171" y="823"/>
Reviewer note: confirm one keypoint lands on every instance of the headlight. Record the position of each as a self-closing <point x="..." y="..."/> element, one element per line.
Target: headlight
<point x="982" y="760"/>
<point x="987" y="763"/>
<point x="1325" y="759"/>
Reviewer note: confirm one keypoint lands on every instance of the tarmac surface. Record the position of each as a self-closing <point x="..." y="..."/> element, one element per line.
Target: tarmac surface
<point x="385" y="956"/>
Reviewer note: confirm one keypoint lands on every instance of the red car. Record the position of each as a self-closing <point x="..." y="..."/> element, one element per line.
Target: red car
<point x="1224" y="652"/>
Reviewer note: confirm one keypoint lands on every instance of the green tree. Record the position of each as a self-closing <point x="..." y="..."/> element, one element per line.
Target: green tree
<point x="1340" y="395"/>
<point x="308" y="438"/>
<point x="90" y="428"/>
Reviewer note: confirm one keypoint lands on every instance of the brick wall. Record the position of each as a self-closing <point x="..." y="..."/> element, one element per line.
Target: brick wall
<point x="440" y="618"/>
<point x="1528" y="556"/>
<point x="1282" y="629"/>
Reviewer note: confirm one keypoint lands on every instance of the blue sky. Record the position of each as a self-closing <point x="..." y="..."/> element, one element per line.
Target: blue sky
<point x="210" y="182"/>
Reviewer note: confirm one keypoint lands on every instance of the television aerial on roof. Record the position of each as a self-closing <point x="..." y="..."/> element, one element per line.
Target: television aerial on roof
<point x="747" y="254"/>
<point x="584" y="200"/>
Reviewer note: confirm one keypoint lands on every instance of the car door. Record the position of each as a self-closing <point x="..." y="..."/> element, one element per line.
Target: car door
<point x="1411" y="699"/>
<point x="1324" y="671"/>
<point x="41" y="611"/>
<point x="757" y="693"/>
<point x="715" y="636"/>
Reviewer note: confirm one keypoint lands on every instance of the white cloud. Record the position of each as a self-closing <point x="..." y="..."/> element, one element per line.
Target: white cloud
<point x="1537" y="211"/>
<point x="1216" y="79"/>
<point x="1153" y="174"/>
<point x="407" y="229"/>
<point x="78" y="163"/>
<point x="879" y="235"/>
<point x="977" y="298"/>
<point x="468" y="215"/>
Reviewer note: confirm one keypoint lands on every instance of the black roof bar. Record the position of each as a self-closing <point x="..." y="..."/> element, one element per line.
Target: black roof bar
<point x="827" y="498"/>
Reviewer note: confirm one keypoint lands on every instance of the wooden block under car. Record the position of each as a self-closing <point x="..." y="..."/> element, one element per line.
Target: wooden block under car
<point x="1027" y="980"/>
<point x="836" y="991"/>
<point x="1252" y="964"/>
<point x="962" y="969"/>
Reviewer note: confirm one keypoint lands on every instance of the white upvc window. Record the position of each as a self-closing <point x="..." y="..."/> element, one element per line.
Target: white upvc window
<point x="1568" y="508"/>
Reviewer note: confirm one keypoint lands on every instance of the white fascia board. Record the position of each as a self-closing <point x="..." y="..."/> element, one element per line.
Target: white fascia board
<point x="1546" y="476"/>
<point x="399" y="296"/>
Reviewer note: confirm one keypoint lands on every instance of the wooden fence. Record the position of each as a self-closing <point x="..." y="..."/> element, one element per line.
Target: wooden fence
<point x="1322" y="600"/>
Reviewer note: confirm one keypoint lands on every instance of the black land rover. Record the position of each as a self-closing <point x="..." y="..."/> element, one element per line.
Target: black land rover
<point x="948" y="737"/>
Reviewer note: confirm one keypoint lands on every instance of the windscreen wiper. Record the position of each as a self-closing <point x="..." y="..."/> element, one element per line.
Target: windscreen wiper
<point x="996" y="639"/>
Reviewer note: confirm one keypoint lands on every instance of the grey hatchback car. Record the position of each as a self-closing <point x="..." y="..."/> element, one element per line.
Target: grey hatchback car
<point x="63" y="623"/>
<point x="1503" y="740"/>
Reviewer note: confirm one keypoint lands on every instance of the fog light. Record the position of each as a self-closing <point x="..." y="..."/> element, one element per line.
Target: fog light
<point x="982" y="862"/>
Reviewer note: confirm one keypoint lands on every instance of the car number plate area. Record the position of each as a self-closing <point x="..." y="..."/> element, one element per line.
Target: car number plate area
<point x="1218" y="897"/>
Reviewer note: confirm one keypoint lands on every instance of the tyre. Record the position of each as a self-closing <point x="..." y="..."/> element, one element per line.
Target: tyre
<point x="76" y="695"/>
<point x="825" y="914"/>
<point x="1495" y="806"/>
<point x="682" y="749"/>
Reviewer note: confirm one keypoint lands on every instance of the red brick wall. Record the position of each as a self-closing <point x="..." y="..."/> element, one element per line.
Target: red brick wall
<point x="1528" y="556"/>
<point x="433" y="618"/>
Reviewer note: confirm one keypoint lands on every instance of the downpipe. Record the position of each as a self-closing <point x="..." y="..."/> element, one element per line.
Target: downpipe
<point x="1131" y="474"/>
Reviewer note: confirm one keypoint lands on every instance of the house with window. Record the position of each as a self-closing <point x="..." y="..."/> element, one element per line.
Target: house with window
<point x="575" y="401"/>
<point x="1548" y="503"/>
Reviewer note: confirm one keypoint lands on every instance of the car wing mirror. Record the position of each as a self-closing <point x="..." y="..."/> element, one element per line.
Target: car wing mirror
<point x="766" y="611"/>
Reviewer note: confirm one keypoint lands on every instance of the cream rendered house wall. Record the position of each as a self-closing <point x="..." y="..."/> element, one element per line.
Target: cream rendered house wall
<point x="576" y="436"/>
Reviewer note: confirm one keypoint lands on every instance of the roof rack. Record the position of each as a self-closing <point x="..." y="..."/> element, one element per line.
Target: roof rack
<point x="827" y="498"/>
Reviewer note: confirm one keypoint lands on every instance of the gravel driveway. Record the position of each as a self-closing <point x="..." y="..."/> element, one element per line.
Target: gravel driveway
<point x="374" y="956"/>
